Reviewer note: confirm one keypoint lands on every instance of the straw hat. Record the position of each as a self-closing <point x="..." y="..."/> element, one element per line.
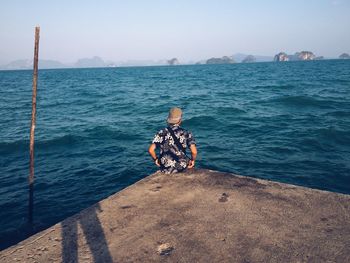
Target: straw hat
<point x="175" y="115"/>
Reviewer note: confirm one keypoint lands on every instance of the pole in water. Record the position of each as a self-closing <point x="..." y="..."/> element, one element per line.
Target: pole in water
<point x="32" y="126"/>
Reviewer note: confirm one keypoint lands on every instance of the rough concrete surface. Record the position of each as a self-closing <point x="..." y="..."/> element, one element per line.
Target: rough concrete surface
<point x="199" y="216"/>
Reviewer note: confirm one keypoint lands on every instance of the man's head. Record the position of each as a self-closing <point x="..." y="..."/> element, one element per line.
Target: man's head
<point x="175" y="116"/>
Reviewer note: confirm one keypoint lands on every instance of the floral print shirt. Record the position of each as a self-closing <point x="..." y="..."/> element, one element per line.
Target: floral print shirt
<point x="171" y="158"/>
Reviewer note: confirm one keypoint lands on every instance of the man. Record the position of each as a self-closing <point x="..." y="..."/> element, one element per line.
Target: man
<point x="172" y="143"/>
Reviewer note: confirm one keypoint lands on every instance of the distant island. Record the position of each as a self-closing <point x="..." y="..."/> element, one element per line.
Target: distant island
<point x="344" y="56"/>
<point x="223" y="60"/>
<point x="249" y="59"/>
<point x="298" y="56"/>
<point x="97" y="62"/>
<point x="280" y="57"/>
<point x="173" y="62"/>
<point x="304" y="55"/>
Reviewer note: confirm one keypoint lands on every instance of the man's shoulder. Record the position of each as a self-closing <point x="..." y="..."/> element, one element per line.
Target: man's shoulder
<point x="162" y="131"/>
<point x="185" y="130"/>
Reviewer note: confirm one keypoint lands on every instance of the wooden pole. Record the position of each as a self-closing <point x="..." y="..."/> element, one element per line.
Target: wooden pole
<point x="32" y="127"/>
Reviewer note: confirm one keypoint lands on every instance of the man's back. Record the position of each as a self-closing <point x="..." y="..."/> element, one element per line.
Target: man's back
<point x="173" y="156"/>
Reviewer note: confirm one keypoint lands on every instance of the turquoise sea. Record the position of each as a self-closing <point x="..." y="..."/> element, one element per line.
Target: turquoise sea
<point x="288" y="122"/>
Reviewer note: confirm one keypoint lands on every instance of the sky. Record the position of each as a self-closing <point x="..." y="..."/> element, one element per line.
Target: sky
<point x="190" y="30"/>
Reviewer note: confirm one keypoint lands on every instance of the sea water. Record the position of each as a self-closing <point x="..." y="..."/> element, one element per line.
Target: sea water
<point x="288" y="122"/>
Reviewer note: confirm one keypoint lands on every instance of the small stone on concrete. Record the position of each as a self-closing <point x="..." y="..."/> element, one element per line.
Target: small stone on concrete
<point x="165" y="249"/>
<point x="223" y="197"/>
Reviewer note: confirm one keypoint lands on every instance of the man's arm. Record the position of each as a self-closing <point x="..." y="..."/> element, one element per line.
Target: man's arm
<point x="152" y="152"/>
<point x="192" y="162"/>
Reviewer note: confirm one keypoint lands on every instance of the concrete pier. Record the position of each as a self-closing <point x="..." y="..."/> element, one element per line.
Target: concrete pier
<point x="199" y="216"/>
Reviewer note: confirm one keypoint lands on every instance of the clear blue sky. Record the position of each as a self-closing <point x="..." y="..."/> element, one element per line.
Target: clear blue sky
<point x="161" y="29"/>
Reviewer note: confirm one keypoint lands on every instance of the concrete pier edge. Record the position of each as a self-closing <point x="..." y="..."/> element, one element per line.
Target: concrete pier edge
<point x="199" y="216"/>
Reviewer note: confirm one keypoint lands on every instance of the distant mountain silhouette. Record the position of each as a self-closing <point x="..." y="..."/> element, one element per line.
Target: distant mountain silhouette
<point x="249" y="59"/>
<point x="97" y="62"/>
<point x="28" y="64"/>
<point x="94" y="62"/>
<point x="239" y="57"/>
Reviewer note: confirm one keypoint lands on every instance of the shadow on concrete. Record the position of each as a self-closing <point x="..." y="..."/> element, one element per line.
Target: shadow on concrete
<point x="93" y="233"/>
